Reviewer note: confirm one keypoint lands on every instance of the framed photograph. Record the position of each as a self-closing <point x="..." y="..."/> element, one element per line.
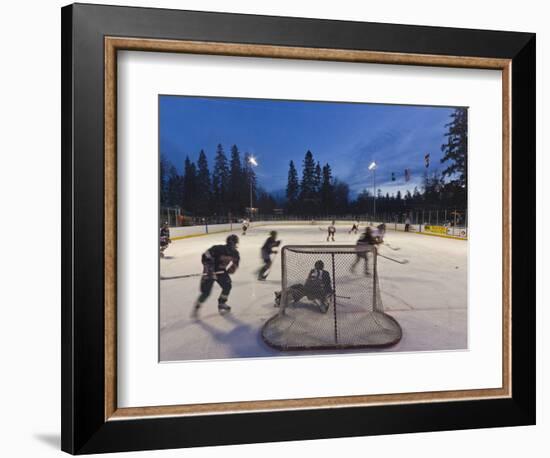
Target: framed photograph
<point x="281" y="228"/>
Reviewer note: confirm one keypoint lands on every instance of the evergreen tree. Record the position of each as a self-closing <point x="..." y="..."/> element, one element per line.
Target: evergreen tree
<point x="164" y="167"/>
<point x="292" y="187"/>
<point x="317" y="178"/>
<point x="220" y="181"/>
<point x="455" y="150"/>
<point x="236" y="181"/>
<point x="363" y="202"/>
<point x="203" y="185"/>
<point x="190" y="186"/>
<point x="326" y="191"/>
<point x="341" y="197"/>
<point x="307" y="186"/>
<point x="171" y="186"/>
<point x="265" y="203"/>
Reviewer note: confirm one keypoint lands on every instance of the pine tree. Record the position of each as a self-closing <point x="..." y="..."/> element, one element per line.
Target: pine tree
<point x="455" y="150"/>
<point x="203" y="185"/>
<point x="164" y="167"/>
<point x="220" y="181"/>
<point x="236" y="180"/>
<point x="190" y="185"/>
<point x="172" y="186"/>
<point x="317" y="178"/>
<point x="341" y="197"/>
<point x="265" y="203"/>
<point x="292" y="187"/>
<point x="307" y="186"/>
<point x="327" y="200"/>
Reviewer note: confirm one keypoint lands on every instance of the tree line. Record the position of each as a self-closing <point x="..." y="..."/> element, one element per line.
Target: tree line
<point x="227" y="188"/>
<point x="201" y="192"/>
<point x="319" y="193"/>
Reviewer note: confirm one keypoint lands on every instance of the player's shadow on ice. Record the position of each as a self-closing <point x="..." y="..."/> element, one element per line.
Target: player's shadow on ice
<point x="243" y="340"/>
<point x="270" y="282"/>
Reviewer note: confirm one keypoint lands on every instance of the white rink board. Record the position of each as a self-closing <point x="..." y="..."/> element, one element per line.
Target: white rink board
<point x="143" y="381"/>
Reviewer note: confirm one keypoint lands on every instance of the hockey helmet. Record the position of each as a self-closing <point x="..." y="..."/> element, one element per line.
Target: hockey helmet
<point x="232" y="240"/>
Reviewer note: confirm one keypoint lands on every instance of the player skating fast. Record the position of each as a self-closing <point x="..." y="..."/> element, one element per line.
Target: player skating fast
<point x="219" y="261"/>
<point x="379" y="233"/>
<point x="355" y="227"/>
<point x="331" y="231"/>
<point x="164" y="238"/>
<point x="266" y="252"/>
<point x="317" y="288"/>
<point x="366" y="240"/>
<point x="246" y="223"/>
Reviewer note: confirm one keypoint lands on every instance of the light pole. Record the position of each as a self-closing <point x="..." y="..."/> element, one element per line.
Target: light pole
<point x="372" y="167"/>
<point x="251" y="162"/>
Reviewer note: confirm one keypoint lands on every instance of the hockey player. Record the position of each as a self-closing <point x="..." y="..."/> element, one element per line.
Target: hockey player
<point x="266" y="252"/>
<point x="219" y="261"/>
<point x="366" y="240"/>
<point x="331" y="231"/>
<point x="317" y="288"/>
<point x="246" y="223"/>
<point x="380" y="232"/>
<point x="355" y="227"/>
<point x="407" y="223"/>
<point x="164" y="238"/>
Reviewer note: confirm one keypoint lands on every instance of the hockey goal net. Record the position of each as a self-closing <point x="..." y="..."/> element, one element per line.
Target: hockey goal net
<point x="330" y="299"/>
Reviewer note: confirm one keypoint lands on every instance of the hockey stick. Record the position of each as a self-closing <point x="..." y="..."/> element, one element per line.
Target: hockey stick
<point x="190" y="275"/>
<point x="398" y="261"/>
<point x="391" y="247"/>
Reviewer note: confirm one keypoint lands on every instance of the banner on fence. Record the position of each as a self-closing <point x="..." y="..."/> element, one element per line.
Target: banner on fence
<point x="436" y="229"/>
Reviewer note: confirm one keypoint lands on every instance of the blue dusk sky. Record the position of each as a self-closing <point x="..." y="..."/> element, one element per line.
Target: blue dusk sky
<point x="349" y="136"/>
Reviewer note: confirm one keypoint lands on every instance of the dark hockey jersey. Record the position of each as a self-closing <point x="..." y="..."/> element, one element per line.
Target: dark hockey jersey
<point x="218" y="257"/>
<point x="318" y="283"/>
<point x="267" y="247"/>
<point x="367" y="239"/>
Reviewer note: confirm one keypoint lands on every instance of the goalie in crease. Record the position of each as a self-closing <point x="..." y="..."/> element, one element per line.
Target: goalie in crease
<point x="317" y="288"/>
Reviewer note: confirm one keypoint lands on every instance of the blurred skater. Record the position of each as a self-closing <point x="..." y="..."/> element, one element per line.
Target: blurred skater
<point x="266" y="251"/>
<point x="355" y="227"/>
<point x="164" y="238"/>
<point x="365" y="241"/>
<point x="331" y="231"/>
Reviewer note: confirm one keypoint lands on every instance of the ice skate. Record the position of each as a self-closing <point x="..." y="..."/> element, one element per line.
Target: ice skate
<point x="223" y="308"/>
<point x="195" y="311"/>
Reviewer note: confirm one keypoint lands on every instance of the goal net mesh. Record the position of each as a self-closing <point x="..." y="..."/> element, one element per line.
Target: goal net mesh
<point x="330" y="299"/>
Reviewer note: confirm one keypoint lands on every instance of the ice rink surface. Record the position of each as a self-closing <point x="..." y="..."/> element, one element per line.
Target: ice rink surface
<point x="427" y="296"/>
